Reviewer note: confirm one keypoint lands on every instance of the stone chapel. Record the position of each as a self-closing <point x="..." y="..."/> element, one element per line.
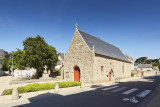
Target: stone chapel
<point x="91" y="60"/>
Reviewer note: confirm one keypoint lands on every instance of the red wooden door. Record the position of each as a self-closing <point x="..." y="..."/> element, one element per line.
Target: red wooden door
<point x="109" y="76"/>
<point x="77" y="74"/>
<point x="142" y="74"/>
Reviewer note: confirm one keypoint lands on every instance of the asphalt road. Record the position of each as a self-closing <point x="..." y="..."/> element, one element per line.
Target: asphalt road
<point x="123" y="94"/>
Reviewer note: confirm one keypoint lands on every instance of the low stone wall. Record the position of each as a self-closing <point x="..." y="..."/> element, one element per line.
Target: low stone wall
<point x="26" y="74"/>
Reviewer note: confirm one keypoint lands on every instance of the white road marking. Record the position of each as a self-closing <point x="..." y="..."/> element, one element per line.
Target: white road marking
<point x="102" y="86"/>
<point x="143" y="93"/>
<point x="125" y="99"/>
<point x="95" y="88"/>
<point x="119" y="89"/>
<point x="135" y="101"/>
<point x="132" y="99"/>
<point x="109" y="88"/>
<point x="91" y="89"/>
<point x="130" y="91"/>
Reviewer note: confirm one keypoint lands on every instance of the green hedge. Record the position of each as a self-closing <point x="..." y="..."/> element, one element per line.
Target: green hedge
<point x="44" y="86"/>
<point x="58" y="71"/>
<point x="132" y="74"/>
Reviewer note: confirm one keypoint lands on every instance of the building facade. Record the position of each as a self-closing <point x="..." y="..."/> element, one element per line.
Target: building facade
<point x="60" y="61"/>
<point x="145" y="70"/>
<point x="92" y="60"/>
<point x="145" y="67"/>
<point x="131" y="60"/>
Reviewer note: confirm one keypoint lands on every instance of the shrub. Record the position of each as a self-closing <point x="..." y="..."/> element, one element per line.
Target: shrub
<point x="8" y="92"/>
<point x="58" y="72"/>
<point x="44" y="86"/>
<point x="132" y="74"/>
<point x="68" y="84"/>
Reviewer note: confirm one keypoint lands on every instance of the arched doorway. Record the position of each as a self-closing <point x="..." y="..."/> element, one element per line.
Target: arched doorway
<point x="76" y="74"/>
<point x="110" y="74"/>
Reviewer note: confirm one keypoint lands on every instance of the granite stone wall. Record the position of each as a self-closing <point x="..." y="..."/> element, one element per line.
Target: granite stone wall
<point x="93" y="68"/>
<point x="119" y="69"/>
<point x="79" y="55"/>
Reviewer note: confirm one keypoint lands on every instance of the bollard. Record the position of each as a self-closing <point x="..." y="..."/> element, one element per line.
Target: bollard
<point x="56" y="90"/>
<point x="82" y="84"/>
<point x="15" y="94"/>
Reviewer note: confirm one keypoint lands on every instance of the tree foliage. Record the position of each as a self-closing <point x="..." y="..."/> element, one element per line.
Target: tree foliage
<point x="18" y="59"/>
<point x="145" y="60"/>
<point x="157" y="64"/>
<point x="5" y="61"/>
<point x="36" y="54"/>
<point x="141" y="60"/>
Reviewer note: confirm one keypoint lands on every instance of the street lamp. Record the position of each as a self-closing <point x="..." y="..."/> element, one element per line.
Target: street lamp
<point x="12" y="66"/>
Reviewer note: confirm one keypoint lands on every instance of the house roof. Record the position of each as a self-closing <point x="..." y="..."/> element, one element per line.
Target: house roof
<point x="145" y="66"/>
<point x="62" y="55"/>
<point x="155" y="68"/>
<point x="103" y="48"/>
<point x="59" y="62"/>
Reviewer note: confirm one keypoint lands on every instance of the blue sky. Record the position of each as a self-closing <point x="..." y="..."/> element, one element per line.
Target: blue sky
<point x="131" y="25"/>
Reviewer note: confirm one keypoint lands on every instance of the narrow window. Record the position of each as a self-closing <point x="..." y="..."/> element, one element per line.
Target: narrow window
<point x="102" y="69"/>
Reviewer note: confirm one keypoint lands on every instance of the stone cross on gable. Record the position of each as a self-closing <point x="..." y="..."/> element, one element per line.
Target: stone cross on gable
<point x="45" y="67"/>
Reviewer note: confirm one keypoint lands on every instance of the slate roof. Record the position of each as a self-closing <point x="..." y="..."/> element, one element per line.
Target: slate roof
<point x="103" y="48"/>
<point x="145" y="66"/>
<point x="155" y="68"/>
<point x="59" y="62"/>
<point x="62" y="55"/>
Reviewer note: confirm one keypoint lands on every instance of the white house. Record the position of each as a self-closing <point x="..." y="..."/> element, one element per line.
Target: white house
<point x="60" y="62"/>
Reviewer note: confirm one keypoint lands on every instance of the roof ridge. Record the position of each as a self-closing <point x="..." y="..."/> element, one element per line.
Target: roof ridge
<point x="97" y="38"/>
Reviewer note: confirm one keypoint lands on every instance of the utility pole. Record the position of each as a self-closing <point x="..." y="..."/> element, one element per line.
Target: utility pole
<point x="12" y="66"/>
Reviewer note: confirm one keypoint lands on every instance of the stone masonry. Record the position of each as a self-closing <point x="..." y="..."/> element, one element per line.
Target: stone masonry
<point x="93" y="67"/>
<point x="79" y="54"/>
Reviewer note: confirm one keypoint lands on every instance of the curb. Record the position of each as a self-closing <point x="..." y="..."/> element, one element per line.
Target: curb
<point x="148" y="99"/>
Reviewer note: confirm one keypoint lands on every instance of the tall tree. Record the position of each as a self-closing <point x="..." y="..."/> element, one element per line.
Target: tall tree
<point x="141" y="60"/>
<point x="155" y="61"/>
<point x="38" y="54"/>
<point x="149" y="61"/>
<point x="18" y="59"/>
<point x="5" y="61"/>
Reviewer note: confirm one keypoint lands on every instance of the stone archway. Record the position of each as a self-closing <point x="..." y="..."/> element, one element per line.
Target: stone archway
<point x="111" y="73"/>
<point x="76" y="73"/>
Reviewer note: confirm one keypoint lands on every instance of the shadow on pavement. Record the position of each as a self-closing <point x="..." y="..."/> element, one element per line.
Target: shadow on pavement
<point x="94" y="98"/>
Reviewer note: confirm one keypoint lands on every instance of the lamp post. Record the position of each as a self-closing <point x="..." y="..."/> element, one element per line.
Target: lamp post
<point x="12" y="66"/>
